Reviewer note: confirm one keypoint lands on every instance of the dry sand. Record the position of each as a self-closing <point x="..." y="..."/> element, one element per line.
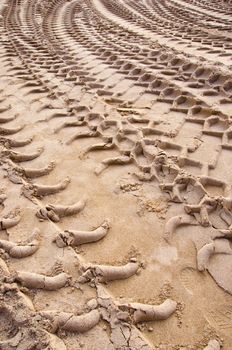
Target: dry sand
<point x="116" y="153"/>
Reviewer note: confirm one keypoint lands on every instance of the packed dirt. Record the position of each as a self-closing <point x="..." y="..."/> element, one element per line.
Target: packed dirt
<point x="116" y="177"/>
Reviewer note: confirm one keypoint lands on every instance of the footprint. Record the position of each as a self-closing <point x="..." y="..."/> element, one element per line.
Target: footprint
<point x="190" y="279"/>
<point x="221" y="317"/>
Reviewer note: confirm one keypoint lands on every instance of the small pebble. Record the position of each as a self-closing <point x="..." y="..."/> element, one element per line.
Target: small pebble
<point x="92" y="304"/>
<point x="133" y="259"/>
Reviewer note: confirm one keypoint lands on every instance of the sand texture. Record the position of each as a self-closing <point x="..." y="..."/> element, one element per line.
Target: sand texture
<point x="115" y="175"/>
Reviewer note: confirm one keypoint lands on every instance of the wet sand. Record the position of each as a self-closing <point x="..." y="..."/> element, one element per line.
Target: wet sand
<point x="116" y="201"/>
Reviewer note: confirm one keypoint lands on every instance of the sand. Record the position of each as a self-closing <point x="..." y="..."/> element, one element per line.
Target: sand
<point x="115" y="169"/>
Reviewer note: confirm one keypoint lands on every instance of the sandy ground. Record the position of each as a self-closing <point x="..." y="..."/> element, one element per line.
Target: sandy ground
<point x="115" y="195"/>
